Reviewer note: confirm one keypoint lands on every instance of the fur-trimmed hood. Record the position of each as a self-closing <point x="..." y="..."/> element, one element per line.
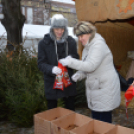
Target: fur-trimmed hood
<point x="58" y="21"/>
<point x="64" y="36"/>
<point x="94" y="37"/>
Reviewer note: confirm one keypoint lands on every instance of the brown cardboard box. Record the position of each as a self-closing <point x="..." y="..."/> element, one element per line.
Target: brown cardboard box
<point x="121" y="130"/>
<point x="42" y="121"/>
<point x="93" y="127"/>
<point x="69" y="122"/>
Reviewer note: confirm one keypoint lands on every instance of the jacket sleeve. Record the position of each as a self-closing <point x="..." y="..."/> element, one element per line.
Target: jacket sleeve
<point x="42" y="60"/>
<point x="93" y="60"/>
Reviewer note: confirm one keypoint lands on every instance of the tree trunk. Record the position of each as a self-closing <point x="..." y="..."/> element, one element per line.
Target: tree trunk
<point x="13" y="22"/>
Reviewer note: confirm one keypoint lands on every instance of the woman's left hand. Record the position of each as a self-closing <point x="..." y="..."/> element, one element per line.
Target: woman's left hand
<point x="75" y="77"/>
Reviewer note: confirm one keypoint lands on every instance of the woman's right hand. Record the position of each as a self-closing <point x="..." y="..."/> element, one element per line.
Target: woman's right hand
<point x="75" y="77"/>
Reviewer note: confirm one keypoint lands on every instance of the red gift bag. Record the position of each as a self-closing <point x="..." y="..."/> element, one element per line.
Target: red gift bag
<point x="58" y="84"/>
<point x="129" y="96"/>
<point x="66" y="79"/>
<point x="62" y="79"/>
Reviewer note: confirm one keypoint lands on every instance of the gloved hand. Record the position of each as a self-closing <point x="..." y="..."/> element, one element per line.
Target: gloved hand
<point x="69" y="56"/>
<point x="56" y="70"/>
<point x="75" y="77"/>
<point x="65" y="61"/>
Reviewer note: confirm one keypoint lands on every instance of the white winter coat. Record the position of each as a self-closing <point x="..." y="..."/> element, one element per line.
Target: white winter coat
<point x="102" y="82"/>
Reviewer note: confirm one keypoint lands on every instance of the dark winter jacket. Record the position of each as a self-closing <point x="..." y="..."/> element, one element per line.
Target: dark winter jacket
<point x="47" y="59"/>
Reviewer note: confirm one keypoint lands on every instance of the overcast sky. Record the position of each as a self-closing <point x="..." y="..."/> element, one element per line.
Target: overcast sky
<point x="65" y="1"/>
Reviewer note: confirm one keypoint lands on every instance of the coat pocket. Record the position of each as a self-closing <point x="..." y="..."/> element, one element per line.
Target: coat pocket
<point x="92" y="83"/>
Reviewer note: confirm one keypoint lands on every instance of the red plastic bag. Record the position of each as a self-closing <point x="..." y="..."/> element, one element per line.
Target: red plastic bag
<point x="58" y="84"/>
<point x="129" y="96"/>
<point x="62" y="80"/>
<point x="66" y="79"/>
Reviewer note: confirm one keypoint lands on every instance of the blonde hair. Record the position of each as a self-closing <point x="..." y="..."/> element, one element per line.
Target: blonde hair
<point x="84" y="27"/>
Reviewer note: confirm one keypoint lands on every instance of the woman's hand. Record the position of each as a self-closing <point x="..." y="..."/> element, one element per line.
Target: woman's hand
<point x="65" y="61"/>
<point x="75" y="77"/>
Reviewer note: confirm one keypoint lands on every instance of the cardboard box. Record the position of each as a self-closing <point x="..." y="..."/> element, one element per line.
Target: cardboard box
<point x="69" y="122"/>
<point x="121" y="130"/>
<point x="42" y="121"/>
<point x="93" y="127"/>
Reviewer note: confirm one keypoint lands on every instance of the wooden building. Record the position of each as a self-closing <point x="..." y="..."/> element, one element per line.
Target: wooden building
<point x="36" y="11"/>
<point x="39" y="12"/>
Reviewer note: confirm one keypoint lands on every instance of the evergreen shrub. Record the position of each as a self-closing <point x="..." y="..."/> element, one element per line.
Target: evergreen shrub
<point x="80" y="99"/>
<point x="21" y="89"/>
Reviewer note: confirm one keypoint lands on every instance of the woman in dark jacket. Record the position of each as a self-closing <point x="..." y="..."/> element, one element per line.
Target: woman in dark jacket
<point x="57" y="45"/>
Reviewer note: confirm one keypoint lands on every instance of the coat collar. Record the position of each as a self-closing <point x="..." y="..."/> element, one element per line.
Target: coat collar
<point x="97" y="37"/>
<point x="47" y="39"/>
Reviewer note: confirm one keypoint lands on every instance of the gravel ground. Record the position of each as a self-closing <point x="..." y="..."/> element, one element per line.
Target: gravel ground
<point x="119" y="117"/>
<point x="8" y="128"/>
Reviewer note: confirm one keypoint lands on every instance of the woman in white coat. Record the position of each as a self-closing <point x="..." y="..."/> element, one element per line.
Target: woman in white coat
<point x="102" y="81"/>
